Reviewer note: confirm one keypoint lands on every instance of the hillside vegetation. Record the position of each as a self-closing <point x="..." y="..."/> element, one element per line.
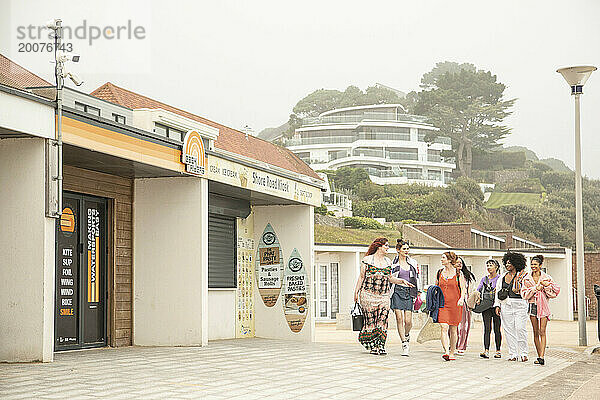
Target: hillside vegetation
<point x="330" y="234"/>
<point x="498" y="199"/>
<point x="541" y="202"/>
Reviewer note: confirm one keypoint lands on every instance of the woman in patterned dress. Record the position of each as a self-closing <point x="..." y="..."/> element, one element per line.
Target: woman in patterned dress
<point x="373" y="293"/>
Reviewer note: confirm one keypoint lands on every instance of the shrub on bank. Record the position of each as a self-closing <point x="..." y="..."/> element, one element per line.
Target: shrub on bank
<point x="362" y="223"/>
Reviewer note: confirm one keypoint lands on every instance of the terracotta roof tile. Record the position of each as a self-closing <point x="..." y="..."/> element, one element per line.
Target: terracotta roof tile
<point x="229" y="139"/>
<point x="13" y="75"/>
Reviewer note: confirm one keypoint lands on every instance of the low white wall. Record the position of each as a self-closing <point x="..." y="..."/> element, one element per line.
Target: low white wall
<point x="26" y="255"/>
<point x="170" y="230"/>
<point x="221" y="314"/>
<point x="294" y="228"/>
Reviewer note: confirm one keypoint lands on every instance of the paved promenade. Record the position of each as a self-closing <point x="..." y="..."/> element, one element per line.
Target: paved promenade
<point x="273" y="369"/>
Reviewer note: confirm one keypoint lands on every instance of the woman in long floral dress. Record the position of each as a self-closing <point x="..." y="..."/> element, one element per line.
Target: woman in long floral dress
<point x="373" y="294"/>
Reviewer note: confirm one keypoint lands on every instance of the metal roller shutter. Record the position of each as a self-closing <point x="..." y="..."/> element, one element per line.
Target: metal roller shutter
<point x="221" y="251"/>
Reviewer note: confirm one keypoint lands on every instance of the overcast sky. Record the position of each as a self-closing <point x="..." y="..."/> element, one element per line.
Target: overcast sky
<point x="249" y="62"/>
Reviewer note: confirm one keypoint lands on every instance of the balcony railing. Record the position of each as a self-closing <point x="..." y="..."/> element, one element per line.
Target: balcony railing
<point x="399" y="173"/>
<point x="354" y="138"/>
<point x="388" y="155"/>
<point x="349" y="119"/>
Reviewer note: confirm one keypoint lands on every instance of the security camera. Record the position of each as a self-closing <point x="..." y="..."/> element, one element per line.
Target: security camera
<point x="64" y="57"/>
<point x="54" y="23"/>
<point x="74" y="78"/>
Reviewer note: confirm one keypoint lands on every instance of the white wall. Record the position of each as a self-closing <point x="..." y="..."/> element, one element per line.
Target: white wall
<point x="561" y="271"/>
<point x="27" y="116"/>
<point x="221" y="313"/>
<point x="294" y="228"/>
<point x="26" y="254"/>
<point x="170" y="230"/>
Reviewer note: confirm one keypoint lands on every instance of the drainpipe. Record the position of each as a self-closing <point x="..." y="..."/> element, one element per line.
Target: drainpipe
<point x="59" y="144"/>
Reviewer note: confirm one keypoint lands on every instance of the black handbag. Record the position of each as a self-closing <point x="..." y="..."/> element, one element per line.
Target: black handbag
<point x="358" y="319"/>
<point x="503" y="293"/>
<point x="487" y="298"/>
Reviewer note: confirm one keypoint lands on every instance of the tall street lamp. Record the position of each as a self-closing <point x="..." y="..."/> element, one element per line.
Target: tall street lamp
<point x="576" y="78"/>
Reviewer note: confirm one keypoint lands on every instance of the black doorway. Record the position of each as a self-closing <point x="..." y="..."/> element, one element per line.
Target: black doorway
<point x="81" y="282"/>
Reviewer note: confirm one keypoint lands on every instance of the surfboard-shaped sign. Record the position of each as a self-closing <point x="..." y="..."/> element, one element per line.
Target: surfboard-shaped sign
<point x="295" y="291"/>
<point x="269" y="267"/>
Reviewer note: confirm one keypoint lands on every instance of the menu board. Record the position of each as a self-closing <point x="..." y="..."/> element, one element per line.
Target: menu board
<point x="244" y="322"/>
<point x="295" y="292"/>
<point x="269" y="267"/>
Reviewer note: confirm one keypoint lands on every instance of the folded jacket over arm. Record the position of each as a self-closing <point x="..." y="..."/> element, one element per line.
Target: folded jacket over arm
<point x="434" y="301"/>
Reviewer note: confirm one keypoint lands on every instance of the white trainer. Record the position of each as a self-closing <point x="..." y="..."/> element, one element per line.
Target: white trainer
<point x="405" y="349"/>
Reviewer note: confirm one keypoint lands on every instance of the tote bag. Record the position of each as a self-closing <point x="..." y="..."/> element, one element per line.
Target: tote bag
<point x="358" y="319"/>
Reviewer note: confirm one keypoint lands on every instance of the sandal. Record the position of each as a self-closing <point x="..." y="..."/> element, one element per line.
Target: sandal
<point x="539" y="361"/>
<point x="446" y="357"/>
<point x="498" y="355"/>
<point x="524" y="359"/>
<point x="512" y="359"/>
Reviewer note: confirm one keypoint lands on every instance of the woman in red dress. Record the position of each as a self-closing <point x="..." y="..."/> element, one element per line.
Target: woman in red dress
<point x="453" y="286"/>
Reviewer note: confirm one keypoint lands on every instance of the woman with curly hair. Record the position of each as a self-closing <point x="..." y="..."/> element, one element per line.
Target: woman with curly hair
<point x="511" y="307"/>
<point x="537" y="288"/>
<point x="372" y="292"/>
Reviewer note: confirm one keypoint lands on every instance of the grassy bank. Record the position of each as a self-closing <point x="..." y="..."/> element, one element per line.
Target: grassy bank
<point x="329" y="234"/>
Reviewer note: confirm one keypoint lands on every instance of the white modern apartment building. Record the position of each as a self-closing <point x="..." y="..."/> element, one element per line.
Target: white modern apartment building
<point x="385" y="140"/>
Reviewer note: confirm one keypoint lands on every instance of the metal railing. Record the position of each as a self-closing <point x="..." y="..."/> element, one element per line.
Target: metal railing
<point x="349" y="119"/>
<point x="587" y="303"/>
<point x="350" y="139"/>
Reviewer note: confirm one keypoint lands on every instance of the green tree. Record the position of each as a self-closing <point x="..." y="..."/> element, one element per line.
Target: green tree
<point x="466" y="192"/>
<point x="429" y="79"/>
<point x="322" y="100"/>
<point x="349" y="178"/>
<point x="469" y="107"/>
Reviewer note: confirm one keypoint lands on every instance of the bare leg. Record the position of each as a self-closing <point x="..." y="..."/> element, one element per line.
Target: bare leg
<point x="542" y="335"/>
<point x="400" y="323"/>
<point x="453" y="339"/>
<point x="535" y="324"/>
<point x="407" y="322"/>
<point x="445" y="338"/>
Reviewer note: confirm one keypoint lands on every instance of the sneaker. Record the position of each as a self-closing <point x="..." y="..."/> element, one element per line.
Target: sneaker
<point x="382" y="352"/>
<point x="498" y="354"/>
<point x="405" y="349"/>
<point x="460" y="352"/>
<point x="485" y="354"/>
